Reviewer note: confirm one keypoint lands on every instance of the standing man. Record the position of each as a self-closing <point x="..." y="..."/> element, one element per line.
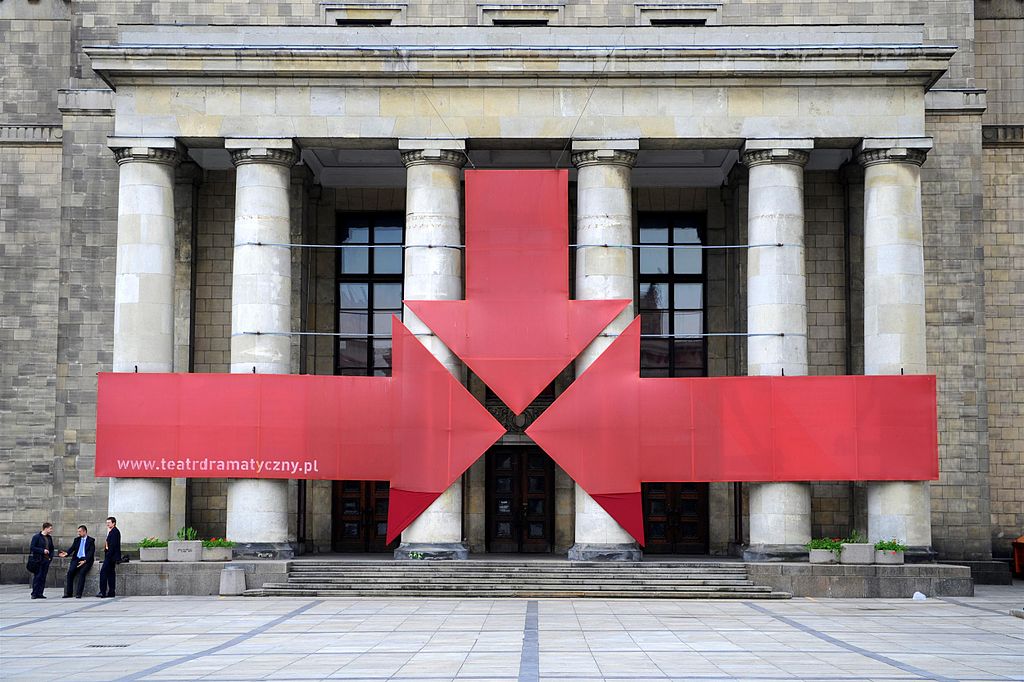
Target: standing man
<point x="111" y="555"/>
<point x="83" y="554"/>
<point x="42" y="550"/>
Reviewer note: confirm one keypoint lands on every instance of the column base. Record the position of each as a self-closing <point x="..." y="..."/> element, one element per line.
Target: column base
<point x="920" y="554"/>
<point x="628" y="551"/>
<point x="775" y="553"/>
<point x="441" y="551"/>
<point x="263" y="550"/>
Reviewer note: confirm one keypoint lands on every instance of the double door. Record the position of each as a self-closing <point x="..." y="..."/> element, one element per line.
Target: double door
<point x="360" y="518"/>
<point x="675" y="518"/>
<point x="520" y="500"/>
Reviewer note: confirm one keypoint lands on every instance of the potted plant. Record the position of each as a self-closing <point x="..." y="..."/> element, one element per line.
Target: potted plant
<point x="187" y="547"/>
<point x="152" y="549"/>
<point x="824" y="550"/>
<point x="857" y="550"/>
<point x="217" y="549"/>
<point x="889" y="551"/>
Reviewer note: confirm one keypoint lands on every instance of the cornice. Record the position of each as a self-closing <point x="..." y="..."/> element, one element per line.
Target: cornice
<point x="18" y="135"/>
<point x="1002" y="136"/>
<point x="138" y="64"/>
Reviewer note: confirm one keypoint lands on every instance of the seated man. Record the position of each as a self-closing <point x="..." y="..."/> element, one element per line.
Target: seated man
<point x="82" y="553"/>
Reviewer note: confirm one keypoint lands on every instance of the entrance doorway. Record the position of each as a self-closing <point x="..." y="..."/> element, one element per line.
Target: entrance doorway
<point x="675" y="518"/>
<point x="360" y="517"/>
<point x="520" y="500"/>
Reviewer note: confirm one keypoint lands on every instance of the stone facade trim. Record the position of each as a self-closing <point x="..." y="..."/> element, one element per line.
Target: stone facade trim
<point x="337" y="13"/>
<point x="595" y="157"/>
<point x="893" y="150"/>
<point x="17" y="135"/>
<point x="447" y="157"/>
<point x="276" y="151"/>
<point x="653" y="13"/>
<point x="1002" y="136"/>
<point x="86" y="102"/>
<point x="796" y="155"/>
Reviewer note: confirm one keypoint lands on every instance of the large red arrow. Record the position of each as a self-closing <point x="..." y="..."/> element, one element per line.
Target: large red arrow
<point x="611" y="429"/>
<point x="517" y="328"/>
<point x="420" y="428"/>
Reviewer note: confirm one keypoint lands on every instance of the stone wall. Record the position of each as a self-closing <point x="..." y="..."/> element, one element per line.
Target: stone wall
<point x="955" y="291"/>
<point x="1004" y="336"/>
<point x="30" y="231"/>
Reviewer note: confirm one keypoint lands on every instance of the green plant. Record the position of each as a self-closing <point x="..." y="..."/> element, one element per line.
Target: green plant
<point x="187" y="533"/>
<point x="893" y="545"/>
<point x="834" y="545"/>
<point x="152" y="542"/>
<point x="218" y="542"/>
<point x="415" y="555"/>
<point x="854" y="538"/>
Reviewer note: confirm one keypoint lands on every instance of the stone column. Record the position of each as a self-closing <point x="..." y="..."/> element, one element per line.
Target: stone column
<point x="894" y="314"/>
<point x="257" y="514"/>
<point x="433" y="201"/>
<point x="144" y="306"/>
<point x="604" y="215"/>
<point x="780" y="513"/>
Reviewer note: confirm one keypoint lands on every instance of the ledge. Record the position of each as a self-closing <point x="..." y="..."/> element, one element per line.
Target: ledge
<point x="20" y="135"/>
<point x="864" y="581"/>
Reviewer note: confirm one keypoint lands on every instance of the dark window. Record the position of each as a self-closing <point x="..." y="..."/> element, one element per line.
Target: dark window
<point x="369" y="291"/>
<point x="671" y="295"/>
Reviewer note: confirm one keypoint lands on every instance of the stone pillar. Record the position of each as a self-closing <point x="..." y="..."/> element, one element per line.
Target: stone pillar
<point x="780" y="513"/>
<point x="144" y="306"/>
<point x="894" y="314"/>
<point x="604" y="215"/>
<point x="257" y="514"/>
<point x="433" y="202"/>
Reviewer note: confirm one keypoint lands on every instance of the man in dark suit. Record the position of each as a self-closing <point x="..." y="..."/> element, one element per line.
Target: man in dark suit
<point x="82" y="553"/>
<point x="41" y="550"/>
<point x="111" y="555"/>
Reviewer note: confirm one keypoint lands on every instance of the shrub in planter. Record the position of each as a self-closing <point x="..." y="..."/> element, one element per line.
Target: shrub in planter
<point x="889" y="551"/>
<point x="857" y="550"/>
<point x="152" y="549"/>
<point x="186" y="548"/>
<point x="217" y="549"/>
<point x="824" y="550"/>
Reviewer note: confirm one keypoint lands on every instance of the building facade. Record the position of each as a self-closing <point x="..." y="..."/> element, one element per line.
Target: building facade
<point x="177" y="177"/>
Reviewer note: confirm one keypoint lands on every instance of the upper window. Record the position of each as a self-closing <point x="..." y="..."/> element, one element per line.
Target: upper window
<point x="369" y="291"/>
<point x="671" y="296"/>
<point x="519" y="15"/>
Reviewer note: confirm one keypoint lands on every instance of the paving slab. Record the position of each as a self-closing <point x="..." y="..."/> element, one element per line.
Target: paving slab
<point x="174" y="638"/>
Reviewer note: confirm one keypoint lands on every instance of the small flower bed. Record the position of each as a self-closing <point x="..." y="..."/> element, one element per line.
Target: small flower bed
<point x="188" y="534"/>
<point x="831" y="544"/>
<point x="152" y="542"/>
<point x="893" y="545"/>
<point x="218" y="542"/>
<point x="855" y="538"/>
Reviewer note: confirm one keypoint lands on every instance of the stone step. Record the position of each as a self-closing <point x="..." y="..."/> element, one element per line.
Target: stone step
<point x="509" y="575"/>
<point x="401" y="587"/>
<point x="293" y="580"/>
<point x="467" y="570"/>
<point x="518" y="593"/>
<point x="540" y="563"/>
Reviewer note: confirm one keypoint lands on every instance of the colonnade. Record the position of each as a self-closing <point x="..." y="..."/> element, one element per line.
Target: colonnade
<point x="780" y="513"/>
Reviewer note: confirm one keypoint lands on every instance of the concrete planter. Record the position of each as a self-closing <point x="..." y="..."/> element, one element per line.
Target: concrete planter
<point x="152" y="554"/>
<point x="822" y="556"/>
<point x="888" y="556"/>
<point x="216" y="554"/>
<point x="185" y="550"/>
<point x="857" y="553"/>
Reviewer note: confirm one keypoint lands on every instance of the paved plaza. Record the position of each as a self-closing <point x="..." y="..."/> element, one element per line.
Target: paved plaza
<point x="210" y="638"/>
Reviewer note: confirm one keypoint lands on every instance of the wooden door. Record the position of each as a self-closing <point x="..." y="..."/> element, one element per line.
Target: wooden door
<point x="520" y="500"/>
<point x="360" y="519"/>
<point x="676" y="518"/>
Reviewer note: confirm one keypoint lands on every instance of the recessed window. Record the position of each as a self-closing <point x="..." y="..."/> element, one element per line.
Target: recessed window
<point x="519" y="15"/>
<point x="671" y="295"/>
<point x="677" y="13"/>
<point x="369" y="291"/>
<point x="363" y="13"/>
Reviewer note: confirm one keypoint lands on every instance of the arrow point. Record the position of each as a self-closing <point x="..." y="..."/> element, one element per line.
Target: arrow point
<point x="404" y="507"/>
<point x="627" y="510"/>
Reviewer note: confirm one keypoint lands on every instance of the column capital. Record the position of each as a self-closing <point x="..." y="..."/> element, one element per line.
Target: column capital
<point x="427" y="151"/>
<point x="872" y="151"/>
<point x="275" y="151"/>
<point x="757" y="152"/>
<point x="604" y="152"/>
<point x="163" y="150"/>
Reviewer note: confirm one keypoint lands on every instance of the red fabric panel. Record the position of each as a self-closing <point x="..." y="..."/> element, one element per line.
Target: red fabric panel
<point x="517" y="328"/>
<point x="611" y="429"/>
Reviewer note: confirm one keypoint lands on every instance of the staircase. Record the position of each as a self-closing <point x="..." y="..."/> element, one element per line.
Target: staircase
<point x="517" y="579"/>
